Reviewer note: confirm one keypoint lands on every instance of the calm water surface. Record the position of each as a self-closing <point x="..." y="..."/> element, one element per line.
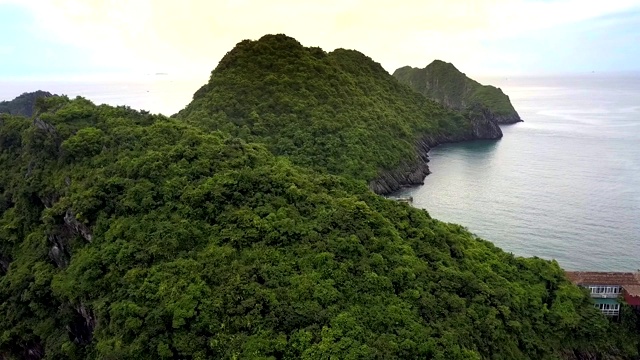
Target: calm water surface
<point x="163" y="94"/>
<point x="564" y="185"/>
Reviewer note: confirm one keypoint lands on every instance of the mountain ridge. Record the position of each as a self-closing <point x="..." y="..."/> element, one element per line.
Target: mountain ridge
<point x="23" y="104"/>
<point x="380" y="123"/>
<point x="444" y="83"/>
<point x="125" y="234"/>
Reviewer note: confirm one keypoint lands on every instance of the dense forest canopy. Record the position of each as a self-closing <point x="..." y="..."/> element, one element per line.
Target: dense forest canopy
<point x="338" y="112"/>
<point x="442" y="82"/>
<point x="130" y="235"/>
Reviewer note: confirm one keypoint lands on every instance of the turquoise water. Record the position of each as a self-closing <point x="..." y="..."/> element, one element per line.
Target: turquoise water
<point x="564" y="185"/>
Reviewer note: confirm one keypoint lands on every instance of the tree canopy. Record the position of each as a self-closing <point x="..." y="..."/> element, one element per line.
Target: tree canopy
<point x="337" y="112"/>
<point x="126" y="235"/>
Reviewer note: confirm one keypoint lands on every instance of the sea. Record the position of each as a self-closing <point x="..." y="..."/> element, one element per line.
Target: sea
<point x="564" y="184"/>
<point x="159" y="94"/>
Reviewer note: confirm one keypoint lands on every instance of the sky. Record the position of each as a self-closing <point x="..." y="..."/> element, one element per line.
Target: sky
<point x="82" y="39"/>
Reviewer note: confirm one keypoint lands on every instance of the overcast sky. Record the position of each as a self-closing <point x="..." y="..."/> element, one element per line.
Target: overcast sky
<point x="92" y="38"/>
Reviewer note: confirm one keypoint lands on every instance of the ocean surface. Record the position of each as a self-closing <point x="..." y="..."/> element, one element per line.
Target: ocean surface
<point x="162" y="94"/>
<point x="564" y="184"/>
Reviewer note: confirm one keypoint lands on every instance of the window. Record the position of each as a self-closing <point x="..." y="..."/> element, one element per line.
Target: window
<point x="605" y="289"/>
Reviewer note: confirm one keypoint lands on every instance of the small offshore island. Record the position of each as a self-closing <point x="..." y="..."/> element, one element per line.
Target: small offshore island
<point x="249" y="225"/>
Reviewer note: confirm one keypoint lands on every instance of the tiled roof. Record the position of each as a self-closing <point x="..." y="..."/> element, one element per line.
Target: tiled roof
<point x="603" y="278"/>
<point x="633" y="290"/>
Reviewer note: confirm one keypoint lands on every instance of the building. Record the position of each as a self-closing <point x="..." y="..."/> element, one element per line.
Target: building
<point x="607" y="288"/>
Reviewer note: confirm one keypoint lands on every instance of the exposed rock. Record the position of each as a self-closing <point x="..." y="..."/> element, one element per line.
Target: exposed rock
<point x="59" y="253"/>
<point x="442" y="82"/>
<point x="4" y="264"/>
<point x="81" y="329"/>
<point x="77" y="227"/>
<point x="485" y="126"/>
<point x="33" y="351"/>
<point x="413" y="172"/>
<point x="507" y="119"/>
<point x="24" y="104"/>
<point x="582" y="355"/>
<point x="30" y="168"/>
<point x="49" y="200"/>
<point x="45" y="126"/>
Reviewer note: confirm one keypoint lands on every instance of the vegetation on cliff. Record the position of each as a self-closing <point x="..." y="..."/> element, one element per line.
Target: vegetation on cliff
<point x="135" y="236"/>
<point x="23" y="104"/>
<point x="129" y="235"/>
<point x="442" y="82"/>
<point x="338" y="112"/>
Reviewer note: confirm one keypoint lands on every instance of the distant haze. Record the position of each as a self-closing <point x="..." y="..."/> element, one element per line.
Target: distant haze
<point x="71" y="39"/>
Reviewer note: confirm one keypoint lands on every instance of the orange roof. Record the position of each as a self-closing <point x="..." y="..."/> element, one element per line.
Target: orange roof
<point x="633" y="290"/>
<point x="603" y="278"/>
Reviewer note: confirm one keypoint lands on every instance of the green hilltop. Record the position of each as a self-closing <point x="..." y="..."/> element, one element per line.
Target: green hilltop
<point x="338" y="112"/>
<point x="23" y="104"/>
<point x="127" y="235"/>
<point x="442" y="82"/>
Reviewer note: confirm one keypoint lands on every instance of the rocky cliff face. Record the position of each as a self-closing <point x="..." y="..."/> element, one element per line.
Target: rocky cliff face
<point x="24" y="104"/>
<point x="442" y="82"/>
<point x="413" y="172"/>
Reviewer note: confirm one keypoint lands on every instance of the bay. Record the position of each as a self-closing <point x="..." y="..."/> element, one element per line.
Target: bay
<point x="563" y="185"/>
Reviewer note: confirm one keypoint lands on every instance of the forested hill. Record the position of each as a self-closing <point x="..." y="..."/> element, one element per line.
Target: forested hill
<point x="130" y="236"/>
<point x="442" y="82"/>
<point x="338" y="112"/>
<point x="23" y="104"/>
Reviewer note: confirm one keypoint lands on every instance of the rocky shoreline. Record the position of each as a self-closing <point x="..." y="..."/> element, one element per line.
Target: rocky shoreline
<point x="484" y="127"/>
<point x="508" y="119"/>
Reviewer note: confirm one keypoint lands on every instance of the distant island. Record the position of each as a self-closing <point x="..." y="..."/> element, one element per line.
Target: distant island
<point x="23" y="104"/>
<point x="247" y="226"/>
<point x="442" y="82"/>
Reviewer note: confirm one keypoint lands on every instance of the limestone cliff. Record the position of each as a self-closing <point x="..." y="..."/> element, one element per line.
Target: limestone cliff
<point x="442" y="82"/>
<point x="413" y="172"/>
<point x="24" y="104"/>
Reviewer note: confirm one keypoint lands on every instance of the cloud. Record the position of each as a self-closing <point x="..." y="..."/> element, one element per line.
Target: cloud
<point x="191" y="36"/>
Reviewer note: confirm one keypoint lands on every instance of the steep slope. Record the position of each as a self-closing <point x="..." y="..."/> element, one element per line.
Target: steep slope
<point x="442" y="82"/>
<point x="23" y="104"/>
<point x="125" y="235"/>
<point x="339" y="112"/>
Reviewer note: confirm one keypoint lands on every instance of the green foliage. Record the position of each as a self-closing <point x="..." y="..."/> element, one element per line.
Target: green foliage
<point x="337" y="112"/>
<point x="204" y="246"/>
<point x="24" y="104"/>
<point x="444" y="83"/>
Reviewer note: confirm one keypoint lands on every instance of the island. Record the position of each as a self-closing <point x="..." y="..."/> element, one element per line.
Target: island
<point x="246" y="227"/>
<point x="444" y="83"/>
